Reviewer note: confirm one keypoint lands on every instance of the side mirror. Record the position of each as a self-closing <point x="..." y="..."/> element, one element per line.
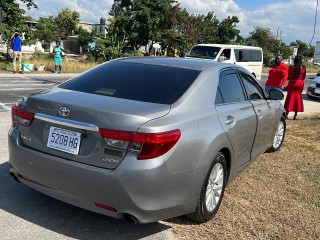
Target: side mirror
<point x="276" y="94"/>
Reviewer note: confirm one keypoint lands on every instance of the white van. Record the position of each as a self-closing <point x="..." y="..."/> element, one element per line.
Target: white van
<point x="248" y="57"/>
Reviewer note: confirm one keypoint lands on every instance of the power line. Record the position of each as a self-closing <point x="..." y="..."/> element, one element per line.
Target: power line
<point x="315" y="23"/>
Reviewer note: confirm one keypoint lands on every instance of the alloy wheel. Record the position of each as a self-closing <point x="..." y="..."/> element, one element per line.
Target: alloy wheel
<point x="214" y="187"/>
<point x="278" y="138"/>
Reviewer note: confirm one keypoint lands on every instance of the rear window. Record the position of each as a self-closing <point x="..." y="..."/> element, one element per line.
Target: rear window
<point x="140" y="82"/>
<point x="204" y="52"/>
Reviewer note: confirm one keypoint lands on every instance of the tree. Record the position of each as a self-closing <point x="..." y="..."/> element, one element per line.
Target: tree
<point x="197" y="28"/>
<point x="141" y="21"/>
<point x="282" y="48"/>
<point x="242" y="41"/>
<point x="85" y="38"/>
<point x="68" y="21"/>
<point x="105" y="50"/>
<point x="226" y="30"/>
<point x="263" y="38"/>
<point x="310" y="53"/>
<point x="178" y="36"/>
<point x="303" y="49"/>
<point x="57" y="27"/>
<point x="13" y="17"/>
<point x="47" y="29"/>
<point x="207" y="28"/>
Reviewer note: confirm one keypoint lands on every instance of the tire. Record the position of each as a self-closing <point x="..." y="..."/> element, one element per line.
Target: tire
<point x="212" y="191"/>
<point x="310" y="97"/>
<point x="279" y="136"/>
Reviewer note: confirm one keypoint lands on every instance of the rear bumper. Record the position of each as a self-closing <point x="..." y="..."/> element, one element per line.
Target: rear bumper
<point x="143" y="189"/>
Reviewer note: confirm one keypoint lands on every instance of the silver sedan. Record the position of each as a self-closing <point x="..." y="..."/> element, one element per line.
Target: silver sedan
<point x="145" y="139"/>
<point x="313" y="90"/>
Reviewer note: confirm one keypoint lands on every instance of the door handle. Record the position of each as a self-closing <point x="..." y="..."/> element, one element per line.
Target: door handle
<point x="229" y="120"/>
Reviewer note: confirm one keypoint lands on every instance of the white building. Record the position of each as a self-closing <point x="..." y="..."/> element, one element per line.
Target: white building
<point x="99" y="28"/>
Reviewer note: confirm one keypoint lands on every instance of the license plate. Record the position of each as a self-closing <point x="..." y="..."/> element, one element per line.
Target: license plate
<point x="64" y="140"/>
<point x="317" y="90"/>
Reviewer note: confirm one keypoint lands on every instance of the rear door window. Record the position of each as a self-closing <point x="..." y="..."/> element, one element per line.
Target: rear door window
<point x="134" y="81"/>
<point x="252" y="88"/>
<point x="230" y="87"/>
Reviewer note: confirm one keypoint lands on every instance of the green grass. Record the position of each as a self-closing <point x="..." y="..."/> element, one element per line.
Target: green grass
<point x="276" y="197"/>
<point x="69" y="65"/>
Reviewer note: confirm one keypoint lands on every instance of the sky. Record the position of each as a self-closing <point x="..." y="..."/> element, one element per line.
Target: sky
<point x="289" y="19"/>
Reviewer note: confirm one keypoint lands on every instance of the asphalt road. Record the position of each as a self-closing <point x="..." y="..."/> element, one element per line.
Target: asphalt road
<point x="16" y="86"/>
<point x="27" y="214"/>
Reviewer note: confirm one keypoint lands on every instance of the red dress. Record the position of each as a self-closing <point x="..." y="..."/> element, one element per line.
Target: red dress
<point x="294" y="102"/>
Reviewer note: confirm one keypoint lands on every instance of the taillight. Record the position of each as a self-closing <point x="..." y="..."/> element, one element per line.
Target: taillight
<point x="148" y="145"/>
<point x="20" y="116"/>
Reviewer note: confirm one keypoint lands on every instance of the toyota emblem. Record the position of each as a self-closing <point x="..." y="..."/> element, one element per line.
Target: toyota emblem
<point x="64" y="111"/>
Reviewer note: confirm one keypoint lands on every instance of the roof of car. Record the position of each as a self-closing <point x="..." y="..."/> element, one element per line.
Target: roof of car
<point x="228" y="46"/>
<point x="190" y="63"/>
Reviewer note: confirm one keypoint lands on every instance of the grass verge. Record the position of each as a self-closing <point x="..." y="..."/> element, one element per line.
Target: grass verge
<point x="69" y="64"/>
<point x="276" y="197"/>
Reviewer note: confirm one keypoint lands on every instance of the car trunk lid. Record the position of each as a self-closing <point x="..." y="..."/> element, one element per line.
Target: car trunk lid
<point x="66" y="124"/>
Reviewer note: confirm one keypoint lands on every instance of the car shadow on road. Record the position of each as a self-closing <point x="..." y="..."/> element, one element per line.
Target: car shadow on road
<point x="70" y="221"/>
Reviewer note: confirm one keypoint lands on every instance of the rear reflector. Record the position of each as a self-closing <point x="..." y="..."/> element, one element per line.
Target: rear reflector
<point x="105" y="207"/>
<point x="148" y="145"/>
<point x="21" y="116"/>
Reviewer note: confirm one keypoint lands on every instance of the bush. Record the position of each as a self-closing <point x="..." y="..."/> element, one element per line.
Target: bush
<point x="6" y="66"/>
<point x="134" y="54"/>
<point x="42" y="56"/>
<point x="267" y="60"/>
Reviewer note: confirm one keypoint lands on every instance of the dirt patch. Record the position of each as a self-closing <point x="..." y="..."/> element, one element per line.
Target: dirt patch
<point x="276" y="197"/>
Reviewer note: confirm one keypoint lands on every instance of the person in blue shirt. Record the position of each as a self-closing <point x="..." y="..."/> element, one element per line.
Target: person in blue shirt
<point x="57" y="50"/>
<point x="16" y="47"/>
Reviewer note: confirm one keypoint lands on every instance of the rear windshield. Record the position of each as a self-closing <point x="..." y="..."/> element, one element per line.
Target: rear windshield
<point x="140" y="82"/>
<point x="204" y="52"/>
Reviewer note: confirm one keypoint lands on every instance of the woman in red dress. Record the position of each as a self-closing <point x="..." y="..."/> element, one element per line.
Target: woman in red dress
<point x="297" y="74"/>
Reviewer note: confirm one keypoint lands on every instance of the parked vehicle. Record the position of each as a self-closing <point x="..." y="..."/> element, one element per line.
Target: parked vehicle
<point x="316" y="59"/>
<point x="251" y="58"/>
<point x="145" y="138"/>
<point x="314" y="88"/>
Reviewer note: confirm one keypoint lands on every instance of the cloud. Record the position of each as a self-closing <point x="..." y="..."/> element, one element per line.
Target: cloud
<point x="222" y="9"/>
<point x="294" y="18"/>
<point x="90" y="11"/>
